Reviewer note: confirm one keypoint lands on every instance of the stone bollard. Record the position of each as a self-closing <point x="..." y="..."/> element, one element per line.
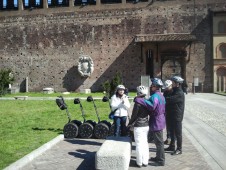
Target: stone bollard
<point x="114" y="153"/>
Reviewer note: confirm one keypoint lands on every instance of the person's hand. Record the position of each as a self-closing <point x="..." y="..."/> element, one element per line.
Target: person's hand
<point x="130" y="128"/>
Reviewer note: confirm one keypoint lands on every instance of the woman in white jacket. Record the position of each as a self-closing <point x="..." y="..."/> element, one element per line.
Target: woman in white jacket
<point x="120" y="102"/>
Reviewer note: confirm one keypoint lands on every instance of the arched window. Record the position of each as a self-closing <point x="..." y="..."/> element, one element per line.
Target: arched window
<point x="221" y="50"/>
<point x="222" y="27"/>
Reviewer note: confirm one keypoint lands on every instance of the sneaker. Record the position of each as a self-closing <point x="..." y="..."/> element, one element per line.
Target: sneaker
<point x="158" y="163"/>
<point x="167" y="142"/>
<point x="153" y="159"/>
<point x="170" y="148"/>
<point x="145" y="165"/>
<point x="139" y="166"/>
<point x="177" y="152"/>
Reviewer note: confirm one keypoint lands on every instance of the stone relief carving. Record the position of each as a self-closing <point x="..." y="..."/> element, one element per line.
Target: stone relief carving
<point x="85" y="66"/>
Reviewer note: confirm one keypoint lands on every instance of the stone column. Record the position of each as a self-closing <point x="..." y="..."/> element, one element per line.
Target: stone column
<point x="45" y="4"/>
<point x="98" y="2"/>
<point x="123" y="1"/>
<point x="224" y="84"/>
<point x="215" y="81"/>
<point x="20" y="5"/>
<point x="71" y="3"/>
<point x="219" y="83"/>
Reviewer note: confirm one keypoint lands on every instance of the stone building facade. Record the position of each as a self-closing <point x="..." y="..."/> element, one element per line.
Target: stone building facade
<point x="155" y="38"/>
<point x="219" y="51"/>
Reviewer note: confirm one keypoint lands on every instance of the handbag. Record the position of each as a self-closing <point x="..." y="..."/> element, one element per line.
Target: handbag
<point x="111" y="115"/>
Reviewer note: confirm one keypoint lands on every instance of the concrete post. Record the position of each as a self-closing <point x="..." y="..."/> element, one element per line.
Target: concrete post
<point x="123" y="1"/>
<point x="26" y="84"/>
<point x="98" y="2"/>
<point x="20" y="5"/>
<point x="71" y="3"/>
<point x="45" y="4"/>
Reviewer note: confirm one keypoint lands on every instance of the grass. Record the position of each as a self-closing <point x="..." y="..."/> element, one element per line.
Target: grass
<point x="221" y="93"/>
<point x="28" y="124"/>
<point x="34" y="94"/>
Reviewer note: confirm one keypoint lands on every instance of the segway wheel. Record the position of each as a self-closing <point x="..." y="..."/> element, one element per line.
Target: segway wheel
<point x="101" y="131"/>
<point x="77" y="122"/>
<point x="70" y="130"/>
<point x="107" y="123"/>
<point x="86" y="130"/>
<point x="112" y="130"/>
<point x="91" y="122"/>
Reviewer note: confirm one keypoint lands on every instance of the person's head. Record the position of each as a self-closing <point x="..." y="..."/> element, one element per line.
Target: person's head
<point x="142" y="91"/>
<point x="177" y="81"/>
<point x="120" y="90"/>
<point x="156" y="84"/>
<point x="168" y="85"/>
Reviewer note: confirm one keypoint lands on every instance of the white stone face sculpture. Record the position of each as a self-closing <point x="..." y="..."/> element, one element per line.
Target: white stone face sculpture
<point x="85" y="66"/>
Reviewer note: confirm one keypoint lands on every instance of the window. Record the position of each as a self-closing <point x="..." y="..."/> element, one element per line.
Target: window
<point x="222" y="27"/>
<point x="222" y="50"/>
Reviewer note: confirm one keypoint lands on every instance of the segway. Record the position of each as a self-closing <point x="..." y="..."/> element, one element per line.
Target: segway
<point x="101" y="129"/>
<point x="72" y="127"/>
<point x="87" y="127"/>
<point x="112" y="128"/>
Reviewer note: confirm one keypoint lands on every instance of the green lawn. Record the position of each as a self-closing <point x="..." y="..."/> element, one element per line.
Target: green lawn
<point x="27" y="124"/>
<point x="33" y="94"/>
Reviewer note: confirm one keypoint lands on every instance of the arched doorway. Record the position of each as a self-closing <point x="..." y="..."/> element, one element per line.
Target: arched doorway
<point x="170" y="68"/>
<point x="221" y="79"/>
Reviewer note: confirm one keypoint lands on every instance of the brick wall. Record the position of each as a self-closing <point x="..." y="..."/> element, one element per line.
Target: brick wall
<point x="45" y="45"/>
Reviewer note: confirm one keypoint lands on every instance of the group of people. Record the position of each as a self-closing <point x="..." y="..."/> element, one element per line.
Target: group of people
<point x="152" y="113"/>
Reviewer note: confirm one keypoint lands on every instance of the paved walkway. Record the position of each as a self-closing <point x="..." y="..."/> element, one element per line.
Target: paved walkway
<point x="80" y="153"/>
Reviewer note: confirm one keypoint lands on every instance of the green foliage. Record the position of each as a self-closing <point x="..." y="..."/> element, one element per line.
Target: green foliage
<point x="117" y="79"/>
<point x="107" y="87"/>
<point x="5" y="80"/>
<point x="110" y="86"/>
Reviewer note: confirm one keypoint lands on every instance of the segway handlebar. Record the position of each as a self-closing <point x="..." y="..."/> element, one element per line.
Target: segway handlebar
<point x="90" y="99"/>
<point x="77" y="101"/>
<point x="63" y="106"/>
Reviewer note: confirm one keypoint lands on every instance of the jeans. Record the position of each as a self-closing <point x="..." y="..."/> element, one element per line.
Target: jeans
<point x="142" y="148"/>
<point x="120" y="124"/>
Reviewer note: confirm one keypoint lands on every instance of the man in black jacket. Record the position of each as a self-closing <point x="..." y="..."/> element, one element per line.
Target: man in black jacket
<point x="168" y="91"/>
<point x="176" y="102"/>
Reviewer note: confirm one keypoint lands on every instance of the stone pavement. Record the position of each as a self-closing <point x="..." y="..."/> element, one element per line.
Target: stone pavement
<point x="80" y="154"/>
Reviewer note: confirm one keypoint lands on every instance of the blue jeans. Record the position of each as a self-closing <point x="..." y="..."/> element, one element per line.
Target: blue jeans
<point x="120" y="124"/>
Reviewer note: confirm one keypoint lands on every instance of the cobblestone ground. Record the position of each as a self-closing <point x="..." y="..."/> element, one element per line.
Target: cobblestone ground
<point x="80" y="154"/>
<point x="210" y="108"/>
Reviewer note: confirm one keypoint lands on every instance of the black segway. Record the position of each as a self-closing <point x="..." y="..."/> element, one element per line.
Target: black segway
<point x="101" y="129"/>
<point x="72" y="127"/>
<point x="87" y="127"/>
<point x="112" y="128"/>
